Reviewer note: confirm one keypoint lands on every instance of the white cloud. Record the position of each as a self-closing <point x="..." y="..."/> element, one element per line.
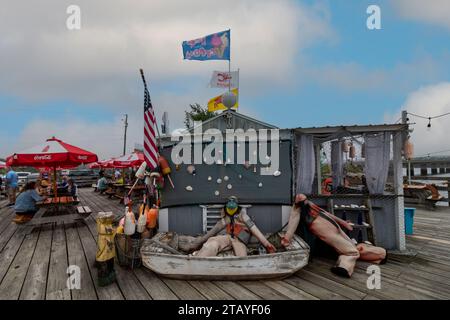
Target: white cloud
<point x="404" y="75"/>
<point x="429" y="101"/>
<point x="41" y="59"/>
<point x="436" y="12"/>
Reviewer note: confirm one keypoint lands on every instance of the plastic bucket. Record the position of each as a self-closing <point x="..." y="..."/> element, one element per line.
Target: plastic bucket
<point x="409" y="220"/>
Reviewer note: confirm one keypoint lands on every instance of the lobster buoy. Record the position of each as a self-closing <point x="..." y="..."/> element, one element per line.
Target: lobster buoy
<point x="142" y="222"/>
<point x="408" y="150"/>
<point x="345" y="146"/>
<point x="152" y="217"/>
<point x="129" y="227"/>
<point x="165" y="169"/>
<point x="352" y="152"/>
<point x="141" y="171"/>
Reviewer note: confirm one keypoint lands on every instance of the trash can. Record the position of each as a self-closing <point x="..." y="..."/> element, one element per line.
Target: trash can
<point x="409" y="220"/>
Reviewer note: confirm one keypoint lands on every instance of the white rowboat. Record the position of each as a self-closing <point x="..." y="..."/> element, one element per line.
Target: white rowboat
<point x="252" y="267"/>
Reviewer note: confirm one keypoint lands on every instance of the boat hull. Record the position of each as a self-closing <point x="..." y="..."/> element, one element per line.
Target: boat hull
<point x="267" y="266"/>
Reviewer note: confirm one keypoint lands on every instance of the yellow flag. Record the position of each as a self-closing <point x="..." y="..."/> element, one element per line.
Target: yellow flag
<point x="215" y="104"/>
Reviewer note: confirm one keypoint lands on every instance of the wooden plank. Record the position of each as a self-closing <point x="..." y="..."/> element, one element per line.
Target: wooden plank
<point x="289" y="291"/>
<point x="260" y="289"/>
<point x="390" y="288"/>
<point x="155" y="287"/>
<point x="36" y="280"/>
<point x="183" y="290"/>
<point x="10" y="250"/>
<point x="110" y="292"/>
<point x="57" y="272"/>
<point x="66" y="219"/>
<point x="6" y="234"/>
<point x="130" y="286"/>
<point x="314" y="289"/>
<point x="7" y="215"/>
<point x="77" y="258"/>
<point x="236" y="290"/>
<point x="12" y="282"/>
<point x="331" y="285"/>
<point x="210" y="290"/>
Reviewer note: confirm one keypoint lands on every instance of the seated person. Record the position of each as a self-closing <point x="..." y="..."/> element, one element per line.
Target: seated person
<point x="42" y="188"/>
<point x="119" y="179"/>
<point x="72" y="189"/>
<point x="102" y="184"/>
<point x="25" y="206"/>
<point x="328" y="228"/>
<point x="238" y="230"/>
<point x="63" y="185"/>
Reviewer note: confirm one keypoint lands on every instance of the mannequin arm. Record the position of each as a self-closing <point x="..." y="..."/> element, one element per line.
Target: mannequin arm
<point x="294" y="219"/>
<point x="254" y="229"/>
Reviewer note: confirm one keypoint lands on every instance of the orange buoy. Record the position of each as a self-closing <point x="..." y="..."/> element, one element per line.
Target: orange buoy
<point x="152" y="217"/>
<point x="408" y="150"/>
<point x="352" y="151"/>
<point x="345" y="146"/>
<point x="165" y="169"/>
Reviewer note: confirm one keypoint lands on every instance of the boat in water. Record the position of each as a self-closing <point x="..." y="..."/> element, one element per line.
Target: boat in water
<point x="167" y="262"/>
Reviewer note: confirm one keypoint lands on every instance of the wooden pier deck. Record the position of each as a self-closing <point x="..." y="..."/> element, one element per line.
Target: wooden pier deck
<point x="33" y="263"/>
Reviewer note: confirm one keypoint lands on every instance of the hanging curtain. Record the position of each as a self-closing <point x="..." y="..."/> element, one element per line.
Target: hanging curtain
<point x="377" y="153"/>
<point x="337" y="164"/>
<point x="305" y="163"/>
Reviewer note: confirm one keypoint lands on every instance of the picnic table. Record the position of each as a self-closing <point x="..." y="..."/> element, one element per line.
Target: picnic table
<point x="56" y="210"/>
<point x="137" y="190"/>
<point x="117" y="190"/>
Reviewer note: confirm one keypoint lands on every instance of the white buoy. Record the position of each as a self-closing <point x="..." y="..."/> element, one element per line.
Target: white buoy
<point x="219" y="180"/>
<point x="217" y="193"/>
<point x="260" y="185"/>
<point x="229" y="187"/>
<point x="189" y="188"/>
<point x="226" y="178"/>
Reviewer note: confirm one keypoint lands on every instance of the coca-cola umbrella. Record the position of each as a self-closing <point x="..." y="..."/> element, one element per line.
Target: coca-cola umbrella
<point x="133" y="159"/>
<point x="54" y="153"/>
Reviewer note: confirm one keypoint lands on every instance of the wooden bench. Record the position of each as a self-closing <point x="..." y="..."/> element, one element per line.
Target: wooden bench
<point x="84" y="209"/>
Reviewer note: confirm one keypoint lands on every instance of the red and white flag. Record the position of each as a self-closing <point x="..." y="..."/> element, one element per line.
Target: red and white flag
<point x="150" y="146"/>
<point x="224" y="79"/>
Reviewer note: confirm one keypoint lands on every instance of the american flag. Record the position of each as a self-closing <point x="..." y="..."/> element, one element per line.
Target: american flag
<point x="150" y="148"/>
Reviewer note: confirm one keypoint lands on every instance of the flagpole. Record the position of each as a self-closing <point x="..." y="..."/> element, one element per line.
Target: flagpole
<point x="229" y="73"/>
<point x="237" y="98"/>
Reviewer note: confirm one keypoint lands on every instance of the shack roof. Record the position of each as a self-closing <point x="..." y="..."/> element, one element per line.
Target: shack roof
<point x="353" y="129"/>
<point x="230" y="119"/>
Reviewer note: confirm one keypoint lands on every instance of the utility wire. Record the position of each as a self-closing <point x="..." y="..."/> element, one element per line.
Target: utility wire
<point x="429" y="118"/>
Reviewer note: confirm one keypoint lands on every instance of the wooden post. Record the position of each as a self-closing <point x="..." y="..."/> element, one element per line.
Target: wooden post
<point x="318" y="170"/>
<point x="55" y="188"/>
<point x="398" y="186"/>
<point x="448" y="191"/>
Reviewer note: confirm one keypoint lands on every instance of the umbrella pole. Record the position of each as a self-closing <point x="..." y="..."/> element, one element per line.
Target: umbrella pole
<point x="55" y="189"/>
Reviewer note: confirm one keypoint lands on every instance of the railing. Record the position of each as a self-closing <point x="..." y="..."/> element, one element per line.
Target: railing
<point x="439" y="188"/>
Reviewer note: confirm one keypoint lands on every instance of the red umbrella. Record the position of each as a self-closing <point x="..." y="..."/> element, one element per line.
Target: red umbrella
<point x="54" y="153"/>
<point x="94" y="165"/>
<point x="134" y="159"/>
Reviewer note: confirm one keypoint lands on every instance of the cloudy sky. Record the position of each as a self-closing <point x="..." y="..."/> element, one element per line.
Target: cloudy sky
<point x="302" y="63"/>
